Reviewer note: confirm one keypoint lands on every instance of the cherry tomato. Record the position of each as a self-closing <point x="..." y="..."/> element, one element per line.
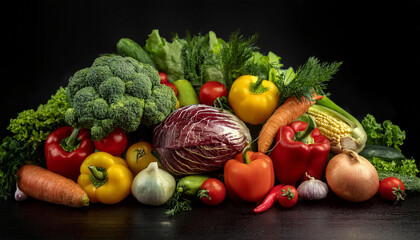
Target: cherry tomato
<point x="163" y="78"/>
<point x="172" y="86"/>
<point x="392" y="189"/>
<point x="212" y="192"/>
<point x="139" y="155"/>
<point x="115" y="143"/>
<point x="288" y="196"/>
<point x="210" y="91"/>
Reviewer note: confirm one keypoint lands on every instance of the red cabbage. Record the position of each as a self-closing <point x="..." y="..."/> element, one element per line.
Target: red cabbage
<point x="198" y="139"/>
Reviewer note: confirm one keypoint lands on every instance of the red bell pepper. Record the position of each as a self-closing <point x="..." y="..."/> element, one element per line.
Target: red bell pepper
<point x="299" y="148"/>
<point x="249" y="176"/>
<point x="115" y="143"/>
<point x="66" y="159"/>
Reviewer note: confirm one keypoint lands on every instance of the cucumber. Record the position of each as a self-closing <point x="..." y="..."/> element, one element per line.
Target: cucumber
<point x="128" y="47"/>
<point x="191" y="184"/>
<point x="186" y="190"/>
<point x="186" y="93"/>
<point x="388" y="154"/>
<point x="411" y="184"/>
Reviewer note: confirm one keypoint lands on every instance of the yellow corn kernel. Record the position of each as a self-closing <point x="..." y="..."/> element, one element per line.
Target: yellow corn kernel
<point x="330" y="127"/>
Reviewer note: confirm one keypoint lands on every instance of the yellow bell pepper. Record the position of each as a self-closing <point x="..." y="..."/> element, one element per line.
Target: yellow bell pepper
<point x="105" y="178"/>
<point x="253" y="100"/>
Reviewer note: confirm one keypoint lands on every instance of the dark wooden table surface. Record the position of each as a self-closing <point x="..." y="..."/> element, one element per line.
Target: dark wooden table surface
<point x="331" y="218"/>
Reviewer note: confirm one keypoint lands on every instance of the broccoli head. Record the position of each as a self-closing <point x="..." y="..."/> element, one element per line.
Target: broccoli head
<point x="115" y="92"/>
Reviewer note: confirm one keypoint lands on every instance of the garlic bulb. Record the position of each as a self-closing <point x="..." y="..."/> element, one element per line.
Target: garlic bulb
<point x="312" y="189"/>
<point x="153" y="186"/>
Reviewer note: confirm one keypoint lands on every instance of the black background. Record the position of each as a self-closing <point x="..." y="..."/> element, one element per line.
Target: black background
<point x="45" y="42"/>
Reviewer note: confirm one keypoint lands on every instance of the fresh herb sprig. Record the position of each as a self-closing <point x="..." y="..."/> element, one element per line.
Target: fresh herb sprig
<point x="199" y="59"/>
<point x="310" y="77"/>
<point x="235" y="55"/>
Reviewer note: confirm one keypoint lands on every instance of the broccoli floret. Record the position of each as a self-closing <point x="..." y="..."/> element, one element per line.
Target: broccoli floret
<point x="99" y="108"/>
<point x="121" y="67"/>
<point x="114" y="92"/>
<point x="112" y="89"/>
<point x="152" y="73"/>
<point x="159" y="105"/>
<point x="81" y="99"/>
<point x="139" y="86"/>
<point x="77" y="82"/>
<point x="127" y="112"/>
<point x="97" y="75"/>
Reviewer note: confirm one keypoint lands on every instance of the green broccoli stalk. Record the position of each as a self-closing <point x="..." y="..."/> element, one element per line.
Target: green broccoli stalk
<point x="115" y="92"/>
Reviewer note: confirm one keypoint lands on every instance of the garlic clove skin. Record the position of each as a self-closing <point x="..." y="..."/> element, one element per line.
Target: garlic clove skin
<point x="19" y="195"/>
<point x="312" y="190"/>
<point x="153" y="186"/>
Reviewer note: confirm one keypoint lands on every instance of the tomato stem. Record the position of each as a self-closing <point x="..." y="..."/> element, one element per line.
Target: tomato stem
<point x="140" y="153"/>
<point x="288" y="194"/>
<point x="399" y="193"/>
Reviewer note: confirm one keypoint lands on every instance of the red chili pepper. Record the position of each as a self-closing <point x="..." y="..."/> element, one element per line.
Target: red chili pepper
<point x="66" y="159"/>
<point x="269" y="200"/>
<point x="299" y="148"/>
<point x="115" y="143"/>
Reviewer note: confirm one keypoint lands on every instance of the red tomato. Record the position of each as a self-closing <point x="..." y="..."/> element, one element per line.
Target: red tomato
<point x="115" y="143"/>
<point x="288" y="196"/>
<point x="214" y="190"/>
<point x="163" y="78"/>
<point x="392" y="189"/>
<point x="172" y="86"/>
<point x="210" y="91"/>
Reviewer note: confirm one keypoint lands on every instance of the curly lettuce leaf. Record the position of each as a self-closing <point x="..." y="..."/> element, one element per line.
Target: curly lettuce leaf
<point x="25" y="144"/>
<point x="383" y="134"/>
<point x="406" y="167"/>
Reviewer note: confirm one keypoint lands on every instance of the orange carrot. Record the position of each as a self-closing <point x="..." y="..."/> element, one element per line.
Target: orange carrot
<point x="44" y="185"/>
<point x="289" y="111"/>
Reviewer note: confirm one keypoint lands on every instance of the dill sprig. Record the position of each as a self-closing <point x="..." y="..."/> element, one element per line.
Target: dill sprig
<point x="198" y="57"/>
<point x="310" y="77"/>
<point x="235" y="54"/>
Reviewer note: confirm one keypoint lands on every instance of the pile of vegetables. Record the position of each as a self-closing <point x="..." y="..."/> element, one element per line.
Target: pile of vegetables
<point x="200" y="118"/>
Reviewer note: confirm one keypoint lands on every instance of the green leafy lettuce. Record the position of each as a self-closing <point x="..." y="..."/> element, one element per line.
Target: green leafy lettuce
<point x="28" y="132"/>
<point x="383" y="134"/>
<point x="390" y="135"/>
<point x="406" y="167"/>
<point x="166" y="55"/>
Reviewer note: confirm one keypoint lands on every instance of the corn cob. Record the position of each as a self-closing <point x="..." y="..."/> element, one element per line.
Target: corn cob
<point x="342" y="129"/>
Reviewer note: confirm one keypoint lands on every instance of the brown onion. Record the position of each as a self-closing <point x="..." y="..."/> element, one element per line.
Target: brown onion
<point x="352" y="177"/>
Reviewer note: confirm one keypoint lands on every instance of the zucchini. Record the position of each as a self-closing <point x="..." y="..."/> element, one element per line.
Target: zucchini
<point x="385" y="153"/>
<point x="128" y="47"/>
<point x="412" y="184"/>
